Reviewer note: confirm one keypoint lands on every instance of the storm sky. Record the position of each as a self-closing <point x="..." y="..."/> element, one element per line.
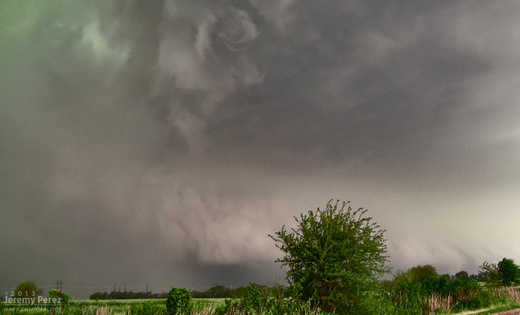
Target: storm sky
<point x="160" y="142"/>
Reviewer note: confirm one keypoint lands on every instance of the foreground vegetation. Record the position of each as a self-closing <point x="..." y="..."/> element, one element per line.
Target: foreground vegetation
<point x="419" y="290"/>
<point x="112" y="307"/>
<point x="335" y="258"/>
<point x="275" y="300"/>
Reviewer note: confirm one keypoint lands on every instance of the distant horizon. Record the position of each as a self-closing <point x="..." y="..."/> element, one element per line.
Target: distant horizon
<point x="73" y="290"/>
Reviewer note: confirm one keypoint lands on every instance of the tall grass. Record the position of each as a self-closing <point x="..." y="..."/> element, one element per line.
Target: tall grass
<point x="405" y="301"/>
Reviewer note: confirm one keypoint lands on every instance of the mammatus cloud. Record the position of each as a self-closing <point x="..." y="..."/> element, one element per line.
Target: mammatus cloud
<point x="161" y="142"/>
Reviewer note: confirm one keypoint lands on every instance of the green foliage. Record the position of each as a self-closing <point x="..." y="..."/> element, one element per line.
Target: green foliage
<point x="126" y="295"/>
<point x="421" y="290"/>
<point x="462" y="275"/>
<point x="469" y="295"/>
<point x="509" y="272"/>
<point x="506" y="273"/>
<point x="57" y="301"/>
<point x="405" y="295"/>
<point x="263" y="300"/>
<point x="27" y="289"/>
<point x="178" y="301"/>
<point x="335" y="257"/>
<point x="253" y="301"/>
<point x="490" y="274"/>
<point x="380" y="303"/>
<point x="422" y="273"/>
<point x="148" y="307"/>
<point x="227" y="308"/>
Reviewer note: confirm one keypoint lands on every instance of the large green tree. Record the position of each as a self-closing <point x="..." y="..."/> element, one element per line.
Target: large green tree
<point x="334" y="256"/>
<point x="509" y="271"/>
<point x="27" y="289"/>
<point x="505" y="272"/>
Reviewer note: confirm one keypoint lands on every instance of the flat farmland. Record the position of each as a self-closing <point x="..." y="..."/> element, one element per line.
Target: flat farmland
<point x="112" y="307"/>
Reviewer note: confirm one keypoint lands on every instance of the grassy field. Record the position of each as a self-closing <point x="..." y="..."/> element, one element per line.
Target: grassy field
<point x="151" y="307"/>
<point x="112" y="307"/>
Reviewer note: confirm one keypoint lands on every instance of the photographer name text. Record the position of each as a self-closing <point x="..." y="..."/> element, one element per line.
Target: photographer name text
<point x="31" y="300"/>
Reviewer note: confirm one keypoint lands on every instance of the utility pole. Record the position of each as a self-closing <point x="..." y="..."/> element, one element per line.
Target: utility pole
<point x="124" y="284"/>
<point x="114" y="287"/>
<point x="147" y="288"/>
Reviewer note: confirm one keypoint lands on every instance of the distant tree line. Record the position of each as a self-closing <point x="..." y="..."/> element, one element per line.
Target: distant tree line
<point x="117" y="295"/>
<point x="217" y="291"/>
<point x="503" y="273"/>
<point x="421" y="290"/>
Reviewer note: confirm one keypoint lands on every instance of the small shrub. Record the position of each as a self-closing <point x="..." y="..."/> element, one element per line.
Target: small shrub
<point x="381" y="304"/>
<point x="271" y="301"/>
<point x="58" y="300"/>
<point x="405" y="295"/>
<point x="253" y="301"/>
<point x="229" y="307"/>
<point x="178" y="301"/>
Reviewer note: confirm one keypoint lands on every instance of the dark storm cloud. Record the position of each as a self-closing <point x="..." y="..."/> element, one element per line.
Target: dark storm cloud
<point x="161" y="142"/>
<point x="358" y="89"/>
